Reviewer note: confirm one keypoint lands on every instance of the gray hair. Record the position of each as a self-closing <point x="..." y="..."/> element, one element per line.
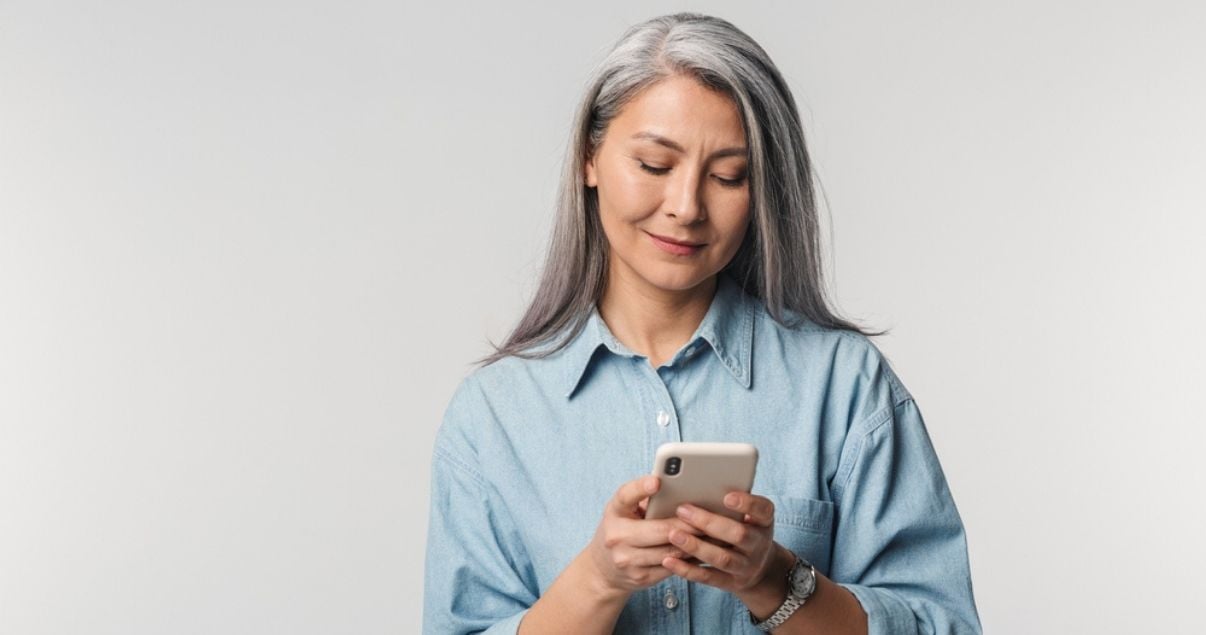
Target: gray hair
<point x="779" y="260"/>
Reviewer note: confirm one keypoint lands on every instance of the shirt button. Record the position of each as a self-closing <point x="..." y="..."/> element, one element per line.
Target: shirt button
<point x="671" y="601"/>
<point x="663" y="418"/>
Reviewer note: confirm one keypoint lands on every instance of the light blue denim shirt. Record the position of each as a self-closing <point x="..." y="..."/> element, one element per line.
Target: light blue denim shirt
<point x="530" y="451"/>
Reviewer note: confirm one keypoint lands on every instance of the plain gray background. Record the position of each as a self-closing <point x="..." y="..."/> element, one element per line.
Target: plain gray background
<point x="248" y="249"/>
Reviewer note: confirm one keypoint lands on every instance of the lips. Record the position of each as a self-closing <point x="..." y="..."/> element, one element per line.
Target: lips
<point x="675" y="246"/>
<point x="673" y="241"/>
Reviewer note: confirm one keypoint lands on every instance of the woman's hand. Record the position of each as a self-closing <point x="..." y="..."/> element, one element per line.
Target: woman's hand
<point x="747" y="549"/>
<point x="627" y="550"/>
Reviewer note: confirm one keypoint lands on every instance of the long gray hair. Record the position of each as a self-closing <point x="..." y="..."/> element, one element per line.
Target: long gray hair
<point x="779" y="260"/>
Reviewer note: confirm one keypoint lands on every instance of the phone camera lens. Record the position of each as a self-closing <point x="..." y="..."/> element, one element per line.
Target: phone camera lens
<point x="673" y="465"/>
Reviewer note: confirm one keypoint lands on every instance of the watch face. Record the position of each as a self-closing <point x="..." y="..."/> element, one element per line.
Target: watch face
<point x="803" y="580"/>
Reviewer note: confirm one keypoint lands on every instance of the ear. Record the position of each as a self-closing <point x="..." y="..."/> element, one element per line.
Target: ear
<point x="592" y="179"/>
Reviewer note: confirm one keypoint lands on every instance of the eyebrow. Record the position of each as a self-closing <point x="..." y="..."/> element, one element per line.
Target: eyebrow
<point x="659" y="139"/>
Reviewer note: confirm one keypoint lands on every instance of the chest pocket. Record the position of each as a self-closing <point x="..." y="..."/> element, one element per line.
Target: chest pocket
<point x="803" y="525"/>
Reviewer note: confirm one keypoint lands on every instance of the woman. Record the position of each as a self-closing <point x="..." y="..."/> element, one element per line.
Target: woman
<point x="682" y="300"/>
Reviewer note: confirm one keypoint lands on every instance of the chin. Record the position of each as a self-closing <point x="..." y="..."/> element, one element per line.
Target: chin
<point x="674" y="278"/>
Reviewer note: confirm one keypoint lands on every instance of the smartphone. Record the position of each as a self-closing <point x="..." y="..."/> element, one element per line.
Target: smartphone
<point x="701" y="474"/>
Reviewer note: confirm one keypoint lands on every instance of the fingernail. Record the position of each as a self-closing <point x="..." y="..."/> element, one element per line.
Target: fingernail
<point x="650" y="484"/>
<point x="684" y="511"/>
<point x="677" y="538"/>
<point x="732" y="500"/>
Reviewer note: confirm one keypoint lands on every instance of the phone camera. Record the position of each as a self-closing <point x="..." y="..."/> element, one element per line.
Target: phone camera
<point x="673" y="465"/>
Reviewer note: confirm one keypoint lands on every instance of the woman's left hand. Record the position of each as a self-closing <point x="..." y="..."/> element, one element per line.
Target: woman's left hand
<point x="749" y="554"/>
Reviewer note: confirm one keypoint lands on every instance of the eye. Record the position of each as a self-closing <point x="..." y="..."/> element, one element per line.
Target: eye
<point x="652" y="170"/>
<point x="731" y="182"/>
<point x="734" y="183"/>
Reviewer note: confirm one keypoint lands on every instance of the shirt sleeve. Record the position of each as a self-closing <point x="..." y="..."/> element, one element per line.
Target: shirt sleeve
<point x="900" y="546"/>
<point x="474" y="558"/>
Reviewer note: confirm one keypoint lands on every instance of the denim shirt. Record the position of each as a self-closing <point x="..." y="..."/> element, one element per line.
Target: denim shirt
<point x="530" y="451"/>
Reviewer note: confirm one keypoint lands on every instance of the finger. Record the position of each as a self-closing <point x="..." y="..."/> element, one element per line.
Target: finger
<point x="651" y="533"/>
<point x="665" y="525"/>
<point x="649" y="576"/>
<point x="729" y="560"/>
<point x="624" y="502"/>
<point x="649" y="556"/>
<point x="759" y="509"/>
<point x="715" y="541"/>
<point x="741" y="535"/>
<point x="695" y="573"/>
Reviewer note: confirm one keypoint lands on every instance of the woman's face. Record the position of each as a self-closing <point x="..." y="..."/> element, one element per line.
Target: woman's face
<point x="671" y="176"/>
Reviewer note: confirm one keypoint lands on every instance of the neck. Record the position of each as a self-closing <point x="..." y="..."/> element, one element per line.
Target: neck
<point x="651" y="321"/>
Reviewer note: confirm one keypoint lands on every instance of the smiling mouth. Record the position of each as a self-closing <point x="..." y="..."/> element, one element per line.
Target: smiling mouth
<point x="675" y="247"/>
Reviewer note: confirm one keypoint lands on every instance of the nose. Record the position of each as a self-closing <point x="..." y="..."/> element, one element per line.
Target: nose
<point x="683" y="200"/>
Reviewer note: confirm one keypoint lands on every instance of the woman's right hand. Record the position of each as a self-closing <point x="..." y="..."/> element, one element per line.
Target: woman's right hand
<point x="627" y="549"/>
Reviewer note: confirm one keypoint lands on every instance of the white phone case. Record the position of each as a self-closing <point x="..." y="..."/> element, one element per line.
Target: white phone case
<point x="705" y="473"/>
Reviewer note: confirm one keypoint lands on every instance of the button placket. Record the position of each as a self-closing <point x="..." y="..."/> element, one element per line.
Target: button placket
<point x="661" y="398"/>
<point x="658" y="405"/>
<point x="675" y="607"/>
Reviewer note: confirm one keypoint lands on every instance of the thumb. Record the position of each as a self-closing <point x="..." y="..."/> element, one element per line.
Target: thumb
<point x="626" y="499"/>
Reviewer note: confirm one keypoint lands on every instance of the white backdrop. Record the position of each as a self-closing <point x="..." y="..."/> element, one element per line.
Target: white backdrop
<point x="247" y="250"/>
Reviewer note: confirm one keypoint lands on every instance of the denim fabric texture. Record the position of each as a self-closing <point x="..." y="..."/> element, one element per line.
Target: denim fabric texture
<point x="530" y="451"/>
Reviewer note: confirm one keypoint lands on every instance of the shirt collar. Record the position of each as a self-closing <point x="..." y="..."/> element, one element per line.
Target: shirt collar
<point x="727" y="328"/>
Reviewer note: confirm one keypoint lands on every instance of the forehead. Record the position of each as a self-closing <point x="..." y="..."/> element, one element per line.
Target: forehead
<point x="682" y="109"/>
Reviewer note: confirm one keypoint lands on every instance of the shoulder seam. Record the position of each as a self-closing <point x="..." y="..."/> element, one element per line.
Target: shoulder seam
<point x="457" y="462"/>
<point x="470" y="382"/>
<point x="842" y="478"/>
<point x="880" y="418"/>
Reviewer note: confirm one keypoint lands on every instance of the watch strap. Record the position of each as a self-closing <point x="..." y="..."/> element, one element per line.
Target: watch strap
<point x="790" y="604"/>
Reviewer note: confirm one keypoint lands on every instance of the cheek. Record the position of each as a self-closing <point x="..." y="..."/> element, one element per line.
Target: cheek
<point x="619" y="223"/>
<point x="627" y="197"/>
<point x="733" y="226"/>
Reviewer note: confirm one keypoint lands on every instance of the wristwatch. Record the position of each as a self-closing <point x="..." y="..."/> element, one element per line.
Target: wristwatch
<point x="801" y="582"/>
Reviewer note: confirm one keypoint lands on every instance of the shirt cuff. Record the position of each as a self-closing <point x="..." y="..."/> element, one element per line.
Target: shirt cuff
<point x="887" y="614"/>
